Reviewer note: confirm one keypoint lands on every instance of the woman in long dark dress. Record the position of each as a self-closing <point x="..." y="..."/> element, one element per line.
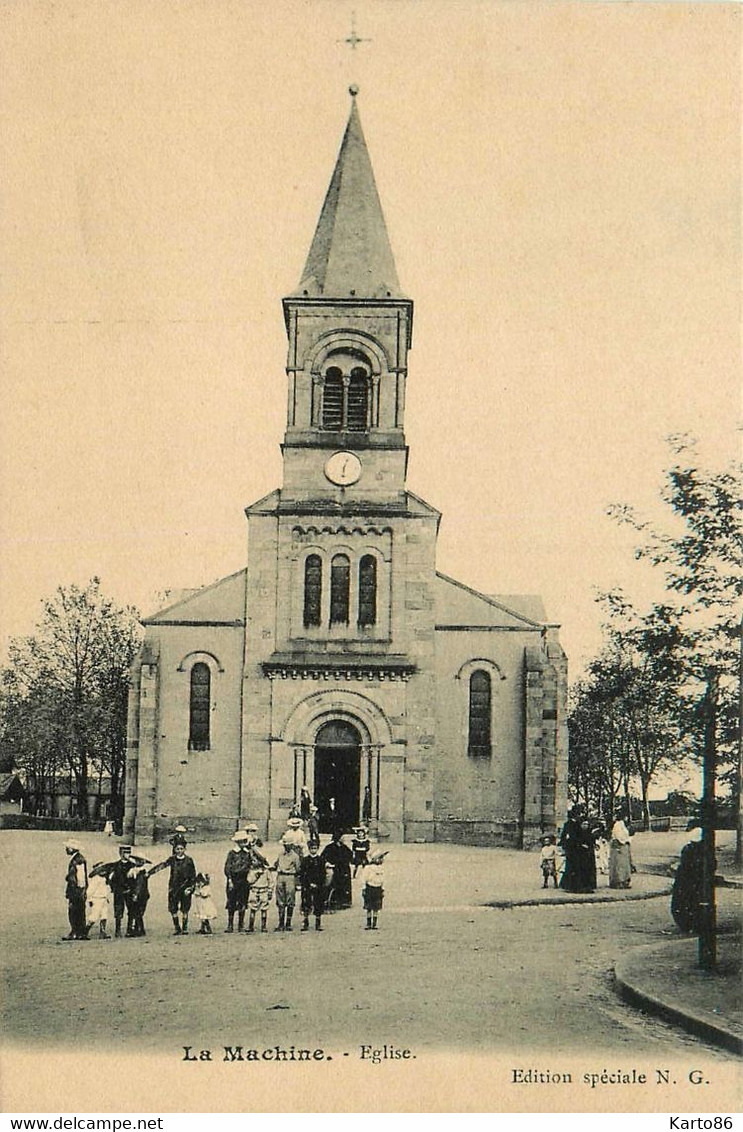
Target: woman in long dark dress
<point x="570" y="842"/>
<point x="586" y="858"/>
<point x="340" y="857"/>
<point x="687" y="885"/>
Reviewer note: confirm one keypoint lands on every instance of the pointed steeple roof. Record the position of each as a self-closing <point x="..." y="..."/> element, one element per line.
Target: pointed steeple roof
<point x="350" y="252"/>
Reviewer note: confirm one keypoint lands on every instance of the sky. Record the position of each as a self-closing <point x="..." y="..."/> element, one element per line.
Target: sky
<point x="561" y="186"/>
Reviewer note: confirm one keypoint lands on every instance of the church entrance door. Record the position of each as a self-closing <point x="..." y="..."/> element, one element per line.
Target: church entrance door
<point x="337" y="775"/>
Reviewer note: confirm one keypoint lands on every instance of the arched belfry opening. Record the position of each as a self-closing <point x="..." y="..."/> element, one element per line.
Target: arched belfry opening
<point x="338" y="774"/>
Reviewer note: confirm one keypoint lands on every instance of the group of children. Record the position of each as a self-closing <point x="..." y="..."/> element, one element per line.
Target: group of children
<point x="251" y="882"/>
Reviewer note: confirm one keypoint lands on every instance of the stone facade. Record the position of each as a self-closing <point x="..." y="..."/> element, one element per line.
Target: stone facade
<point x="339" y="658"/>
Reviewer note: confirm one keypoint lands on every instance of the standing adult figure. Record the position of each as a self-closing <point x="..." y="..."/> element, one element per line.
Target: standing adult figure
<point x="687" y="884"/>
<point x="620" y="856"/>
<point x="339" y="857"/>
<point x="586" y="858"/>
<point x="570" y="843"/>
<point x="76" y="886"/>
<point x="305" y="804"/>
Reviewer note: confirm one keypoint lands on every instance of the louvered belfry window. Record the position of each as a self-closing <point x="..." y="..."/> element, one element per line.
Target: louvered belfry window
<point x="479" y="744"/>
<point x="345" y="399"/>
<point x="367" y="591"/>
<point x="198" y="733"/>
<point x="358" y="401"/>
<point x="332" y="400"/>
<point x="340" y="577"/>
<point x="312" y="590"/>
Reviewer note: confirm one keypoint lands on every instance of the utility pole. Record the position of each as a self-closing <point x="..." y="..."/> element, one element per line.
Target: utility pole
<point x="707" y="908"/>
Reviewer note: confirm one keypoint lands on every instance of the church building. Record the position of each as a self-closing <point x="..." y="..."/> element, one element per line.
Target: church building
<point x="339" y="658"/>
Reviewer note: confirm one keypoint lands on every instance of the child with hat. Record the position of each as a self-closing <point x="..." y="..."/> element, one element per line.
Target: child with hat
<point x="374" y="888"/>
<point x="180" y="885"/>
<point x="97" y="903"/>
<point x="236" y="868"/>
<point x="287" y="866"/>
<point x="296" y="835"/>
<point x="312" y="880"/>
<point x="260" y="891"/>
<point x="360" y="846"/>
<point x="548" y="860"/>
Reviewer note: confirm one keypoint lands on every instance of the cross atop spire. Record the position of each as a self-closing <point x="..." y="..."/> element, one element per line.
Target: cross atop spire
<point x="350" y="254"/>
<point x="353" y="40"/>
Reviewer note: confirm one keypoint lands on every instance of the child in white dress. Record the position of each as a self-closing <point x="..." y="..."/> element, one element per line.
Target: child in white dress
<point x="203" y="903"/>
<point x="97" y="902"/>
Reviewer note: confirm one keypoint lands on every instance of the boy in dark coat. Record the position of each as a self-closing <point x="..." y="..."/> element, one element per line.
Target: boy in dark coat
<point x="128" y="893"/>
<point x="180" y="885"/>
<point x="312" y="880"/>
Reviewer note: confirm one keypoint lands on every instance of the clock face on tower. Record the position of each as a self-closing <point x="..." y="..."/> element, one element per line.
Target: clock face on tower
<point x="343" y="468"/>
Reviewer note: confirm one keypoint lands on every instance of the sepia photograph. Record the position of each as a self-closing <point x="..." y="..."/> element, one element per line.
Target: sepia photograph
<point x="372" y="560"/>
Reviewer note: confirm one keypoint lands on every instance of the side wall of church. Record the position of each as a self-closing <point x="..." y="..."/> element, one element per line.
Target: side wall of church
<point x="479" y="799"/>
<point x="198" y="788"/>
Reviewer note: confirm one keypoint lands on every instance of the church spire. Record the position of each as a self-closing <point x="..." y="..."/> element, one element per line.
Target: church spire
<point x="350" y="253"/>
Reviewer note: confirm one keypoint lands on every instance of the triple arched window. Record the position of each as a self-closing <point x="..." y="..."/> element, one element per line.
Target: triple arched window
<point x="479" y="741"/>
<point x="341" y="578"/>
<point x="199" y="708"/>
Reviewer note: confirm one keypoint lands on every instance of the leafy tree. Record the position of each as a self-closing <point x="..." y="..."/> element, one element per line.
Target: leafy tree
<point x="696" y="630"/>
<point x="64" y="690"/>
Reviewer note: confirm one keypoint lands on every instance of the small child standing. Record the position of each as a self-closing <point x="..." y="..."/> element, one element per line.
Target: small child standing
<point x="548" y="860"/>
<point x="259" y="897"/>
<point x="373" y="877"/>
<point x="360" y="846"/>
<point x="203" y="903"/>
<point x="96" y="900"/>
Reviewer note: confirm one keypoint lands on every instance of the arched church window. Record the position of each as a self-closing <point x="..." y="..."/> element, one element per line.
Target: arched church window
<point x="358" y="400"/>
<point x="367" y="591"/>
<point x="332" y="399"/>
<point x="340" y="577"/>
<point x="200" y="705"/>
<point x="312" y="590"/>
<point x="480" y="705"/>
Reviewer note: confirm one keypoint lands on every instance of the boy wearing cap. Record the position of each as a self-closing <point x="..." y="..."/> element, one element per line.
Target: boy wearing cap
<point x="312" y="880"/>
<point x="548" y="860"/>
<point x="127" y="891"/>
<point x="76" y="884"/>
<point x="374" y="889"/>
<point x="180" y="885"/>
<point x="236" y="868"/>
<point x="288" y="865"/>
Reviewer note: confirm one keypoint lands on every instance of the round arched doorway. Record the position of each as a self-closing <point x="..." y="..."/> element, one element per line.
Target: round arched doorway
<point x="337" y="775"/>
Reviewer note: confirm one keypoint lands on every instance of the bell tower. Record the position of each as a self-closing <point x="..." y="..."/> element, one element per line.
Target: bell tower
<point x="349" y="328"/>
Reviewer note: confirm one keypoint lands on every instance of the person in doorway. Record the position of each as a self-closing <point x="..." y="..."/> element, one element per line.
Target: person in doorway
<point x="338" y="856"/>
<point x="366" y="805"/>
<point x="76" y="886"/>
<point x="305" y="804"/>
<point x="313" y="826"/>
<point x="180" y="885"/>
<point x="620" y="854"/>
<point x="312" y="880"/>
